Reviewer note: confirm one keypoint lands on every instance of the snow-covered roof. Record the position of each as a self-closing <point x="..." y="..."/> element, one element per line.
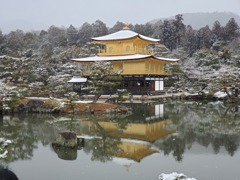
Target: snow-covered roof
<point x="120" y="58"/>
<point x="111" y="58"/>
<point x="77" y="79"/>
<point x="166" y="59"/>
<point x="124" y="34"/>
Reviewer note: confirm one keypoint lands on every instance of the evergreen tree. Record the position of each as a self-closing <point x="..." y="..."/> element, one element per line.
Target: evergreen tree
<point x="85" y="34"/>
<point x="139" y="28"/>
<point x="148" y="30"/>
<point x="117" y="27"/>
<point x="231" y="29"/>
<point x="72" y="35"/>
<point x="99" y="29"/>
<point x="57" y="36"/>
<point x="190" y="41"/>
<point x="2" y="43"/>
<point x="179" y="29"/>
<point x="14" y="41"/>
<point x="168" y="37"/>
<point x="206" y="37"/>
<point x="217" y="31"/>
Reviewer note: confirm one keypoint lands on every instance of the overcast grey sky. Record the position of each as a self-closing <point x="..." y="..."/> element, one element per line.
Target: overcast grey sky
<point x="41" y="14"/>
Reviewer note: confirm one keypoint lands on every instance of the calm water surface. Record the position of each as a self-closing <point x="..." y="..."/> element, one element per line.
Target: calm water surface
<point x="200" y="140"/>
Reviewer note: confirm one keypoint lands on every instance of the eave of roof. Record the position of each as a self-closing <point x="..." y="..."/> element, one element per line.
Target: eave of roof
<point x="165" y="59"/>
<point x="111" y="58"/>
<point x="77" y="79"/>
<point x="123" y="35"/>
<point x="122" y="58"/>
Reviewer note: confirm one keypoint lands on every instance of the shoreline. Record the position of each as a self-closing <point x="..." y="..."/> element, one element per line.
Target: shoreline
<point x="148" y="98"/>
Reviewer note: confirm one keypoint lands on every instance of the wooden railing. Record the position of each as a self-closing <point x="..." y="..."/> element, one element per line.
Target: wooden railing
<point x="136" y="71"/>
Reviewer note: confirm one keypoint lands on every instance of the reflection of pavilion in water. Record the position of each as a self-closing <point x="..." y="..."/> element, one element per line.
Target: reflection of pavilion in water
<point x="138" y="135"/>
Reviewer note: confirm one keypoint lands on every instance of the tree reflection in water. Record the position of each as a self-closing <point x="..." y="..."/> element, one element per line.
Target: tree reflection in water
<point x="26" y="131"/>
<point x="206" y="124"/>
<point x="105" y="147"/>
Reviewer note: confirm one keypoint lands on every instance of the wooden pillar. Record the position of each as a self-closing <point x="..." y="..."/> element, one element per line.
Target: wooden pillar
<point x="145" y="85"/>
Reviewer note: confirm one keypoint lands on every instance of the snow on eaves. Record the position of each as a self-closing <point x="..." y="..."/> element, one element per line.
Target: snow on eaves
<point x="148" y="38"/>
<point x="123" y="34"/>
<point x="121" y="58"/>
<point x="111" y="58"/>
<point x="77" y="79"/>
<point x="166" y="59"/>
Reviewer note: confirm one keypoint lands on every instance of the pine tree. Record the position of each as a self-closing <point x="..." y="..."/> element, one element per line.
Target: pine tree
<point x="231" y="29"/>
<point x="72" y="35"/>
<point x="103" y="78"/>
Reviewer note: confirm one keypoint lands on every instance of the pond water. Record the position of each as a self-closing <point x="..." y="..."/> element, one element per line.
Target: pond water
<point x="198" y="139"/>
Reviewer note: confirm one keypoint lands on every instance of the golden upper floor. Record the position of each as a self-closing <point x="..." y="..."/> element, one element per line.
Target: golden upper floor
<point x="124" y="42"/>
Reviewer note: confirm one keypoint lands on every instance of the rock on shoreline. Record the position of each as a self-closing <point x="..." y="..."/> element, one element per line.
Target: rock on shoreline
<point x="174" y="176"/>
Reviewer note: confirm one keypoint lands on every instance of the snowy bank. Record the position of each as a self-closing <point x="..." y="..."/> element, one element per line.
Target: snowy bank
<point x="174" y="176"/>
<point x="220" y="94"/>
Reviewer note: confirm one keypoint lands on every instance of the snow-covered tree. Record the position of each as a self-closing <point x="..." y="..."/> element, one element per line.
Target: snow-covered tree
<point x="57" y="36"/>
<point x="231" y="29"/>
<point x="117" y="27"/>
<point x="205" y="37"/>
<point x="85" y="34"/>
<point x="168" y="36"/>
<point x="14" y="41"/>
<point x="217" y="29"/>
<point x="72" y="35"/>
<point x="139" y="28"/>
<point x="190" y="41"/>
<point x="99" y="28"/>
<point x="179" y="29"/>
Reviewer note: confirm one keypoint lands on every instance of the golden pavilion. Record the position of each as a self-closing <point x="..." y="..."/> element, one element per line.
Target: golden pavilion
<point x="130" y="53"/>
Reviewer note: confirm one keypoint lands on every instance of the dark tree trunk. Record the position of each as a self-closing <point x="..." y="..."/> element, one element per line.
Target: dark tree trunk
<point x="96" y="97"/>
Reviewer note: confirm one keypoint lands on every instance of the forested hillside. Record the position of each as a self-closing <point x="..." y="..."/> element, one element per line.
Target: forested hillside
<point x="41" y="60"/>
<point x="199" y="20"/>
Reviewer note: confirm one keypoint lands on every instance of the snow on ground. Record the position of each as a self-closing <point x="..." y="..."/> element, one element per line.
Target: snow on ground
<point x="220" y="94"/>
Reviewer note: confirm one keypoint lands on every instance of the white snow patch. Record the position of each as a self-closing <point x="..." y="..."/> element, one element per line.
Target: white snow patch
<point x="3" y="155"/>
<point x="174" y="176"/>
<point x="81" y="102"/>
<point x="4" y="143"/>
<point x="220" y="94"/>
